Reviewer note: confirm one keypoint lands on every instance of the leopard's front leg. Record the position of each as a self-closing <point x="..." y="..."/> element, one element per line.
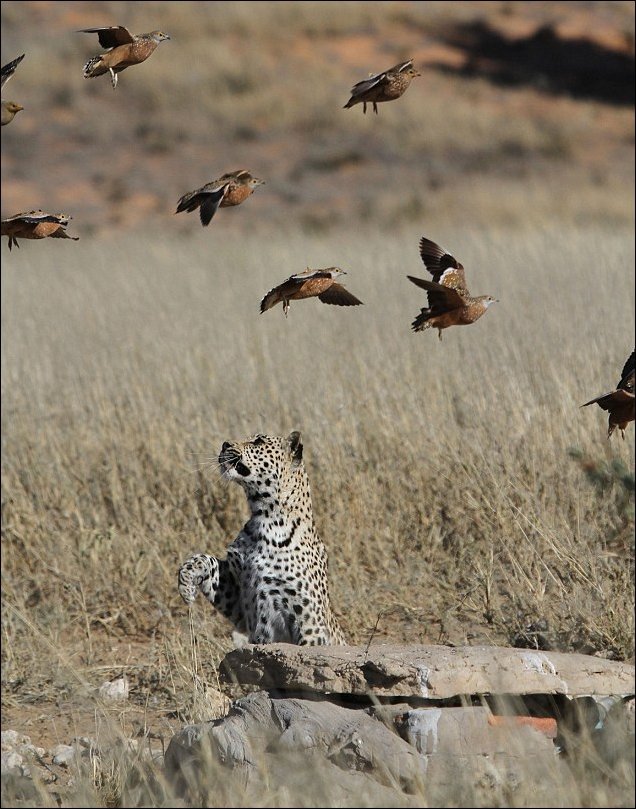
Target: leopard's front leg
<point x="217" y="581"/>
<point x="199" y="572"/>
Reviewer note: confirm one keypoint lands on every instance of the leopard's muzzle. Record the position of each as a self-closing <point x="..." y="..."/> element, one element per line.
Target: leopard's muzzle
<point x="230" y="459"/>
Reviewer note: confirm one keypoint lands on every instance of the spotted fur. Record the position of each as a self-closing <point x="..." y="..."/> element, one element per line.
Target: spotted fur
<point x="273" y="583"/>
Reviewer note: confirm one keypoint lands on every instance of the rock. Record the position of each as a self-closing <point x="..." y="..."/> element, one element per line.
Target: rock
<point x="114" y="690"/>
<point x="14" y="741"/>
<point x="19" y="754"/>
<point x="11" y="739"/>
<point x="388" y="751"/>
<point x="395" y="726"/>
<point x="14" y="762"/>
<point x="271" y="742"/>
<point x="424" y="672"/>
<point x="468" y="731"/>
<point x="64" y="755"/>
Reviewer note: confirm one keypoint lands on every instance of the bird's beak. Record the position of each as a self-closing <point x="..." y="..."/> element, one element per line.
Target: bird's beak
<point x="18" y="107"/>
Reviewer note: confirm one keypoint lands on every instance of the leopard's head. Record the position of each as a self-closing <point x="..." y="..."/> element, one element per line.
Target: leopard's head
<point x="263" y="465"/>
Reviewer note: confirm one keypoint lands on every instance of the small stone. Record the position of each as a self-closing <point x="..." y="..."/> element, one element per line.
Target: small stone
<point x="115" y="690"/>
<point x="12" y="761"/>
<point x="12" y="739"/>
<point x="64" y="755"/>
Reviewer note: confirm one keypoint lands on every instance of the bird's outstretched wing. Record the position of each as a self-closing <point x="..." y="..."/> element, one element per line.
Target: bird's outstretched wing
<point x="211" y="202"/>
<point x="401" y="67"/>
<point x="366" y="84"/>
<point x="111" y="36"/>
<point x="9" y="69"/>
<point x="443" y="266"/>
<point x="339" y="296"/>
<point x="363" y="86"/>
<point x="440" y="296"/>
<point x="207" y="199"/>
<point x="608" y="400"/>
<point x="627" y="374"/>
<point x="34" y="217"/>
<point x="242" y="175"/>
<point x="624" y="391"/>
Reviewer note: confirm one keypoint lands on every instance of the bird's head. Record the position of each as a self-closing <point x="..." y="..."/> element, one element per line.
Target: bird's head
<point x="158" y="36"/>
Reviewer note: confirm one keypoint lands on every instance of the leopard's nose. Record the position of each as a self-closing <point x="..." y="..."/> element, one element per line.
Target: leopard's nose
<point x="225" y="446"/>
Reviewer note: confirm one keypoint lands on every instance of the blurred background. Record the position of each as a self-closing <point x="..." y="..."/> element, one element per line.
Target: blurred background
<point x="524" y="110"/>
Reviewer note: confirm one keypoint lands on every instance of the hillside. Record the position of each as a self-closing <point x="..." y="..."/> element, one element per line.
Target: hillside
<point x="517" y="102"/>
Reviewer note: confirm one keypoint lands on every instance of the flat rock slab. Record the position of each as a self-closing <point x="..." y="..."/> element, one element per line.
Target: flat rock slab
<point x="425" y="672"/>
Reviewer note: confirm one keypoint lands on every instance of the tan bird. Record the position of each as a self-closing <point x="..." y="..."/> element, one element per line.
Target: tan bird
<point x="230" y="189"/>
<point x="385" y="86"/>
<point x="619" y="402"/>
<point x="9" y="108"/>
<point x="449" y="301"/>
<point x="321" y="284"/>
<point x="35" y="225"/>
<point x="126" y="49"/>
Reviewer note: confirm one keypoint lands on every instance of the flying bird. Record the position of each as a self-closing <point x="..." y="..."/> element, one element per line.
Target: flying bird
<point x="309" y="284"/>
<point x="385" y="86"/>
<point x="619" y="402"/>
<point x="230" y="189"/>
<point x="9" y="108"/>
<point x="35" y="225"/>
<point x="126" y="49"/>
<point x="449" y="301"/>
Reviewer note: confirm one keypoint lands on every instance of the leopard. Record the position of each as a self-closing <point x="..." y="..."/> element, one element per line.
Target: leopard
<point x="273" y="583"/>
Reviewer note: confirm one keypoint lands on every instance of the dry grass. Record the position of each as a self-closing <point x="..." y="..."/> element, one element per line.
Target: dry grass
<point x="442" y="478"/>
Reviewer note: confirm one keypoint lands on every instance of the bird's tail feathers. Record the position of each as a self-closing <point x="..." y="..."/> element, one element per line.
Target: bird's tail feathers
<point x="187" y="203"/>
<point x="268" y="301"/>
<point x="421" y="322"/>
<point x="91" y="68"/>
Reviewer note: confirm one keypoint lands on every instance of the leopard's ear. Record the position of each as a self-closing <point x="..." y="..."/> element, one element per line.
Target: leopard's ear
<point x="295" y="448"/>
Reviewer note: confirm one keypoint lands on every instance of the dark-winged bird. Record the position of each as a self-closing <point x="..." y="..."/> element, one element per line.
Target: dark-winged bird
<point x="230" y="189"/>
<point x="35" y="225"/>
<point x="321" y="284"/>
<point x="449" y="301"/>
<point x="126" y="49"/>
<point x="386" y="86"/>
<point x="9" y="108"/>
<point x="619" y="402"/>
